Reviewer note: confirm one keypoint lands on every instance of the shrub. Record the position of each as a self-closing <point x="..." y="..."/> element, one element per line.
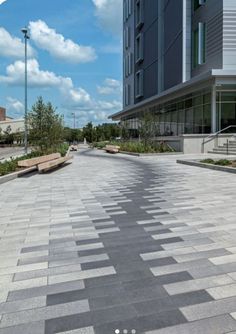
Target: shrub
<point x="208" y="161"/>
<point x="223" y="162"/>
<point x="141" y="147"/>
<point x="100" y="144"/>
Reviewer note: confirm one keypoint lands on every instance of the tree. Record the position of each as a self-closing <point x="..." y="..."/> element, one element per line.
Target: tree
<point x="89" y="132"/>
<point x="148" y="128"/>
<point x="73" y="135"/>
<point x="46" y="126"/>
<point x="8" y="135"/>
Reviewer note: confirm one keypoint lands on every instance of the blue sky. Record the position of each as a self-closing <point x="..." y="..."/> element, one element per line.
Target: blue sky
<point x="74" y="56"/>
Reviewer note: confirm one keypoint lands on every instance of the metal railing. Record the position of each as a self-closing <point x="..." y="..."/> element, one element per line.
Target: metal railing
<point x="215" y="135"/>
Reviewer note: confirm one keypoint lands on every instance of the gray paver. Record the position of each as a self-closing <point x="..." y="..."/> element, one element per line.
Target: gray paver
<point x="138" y="231"/>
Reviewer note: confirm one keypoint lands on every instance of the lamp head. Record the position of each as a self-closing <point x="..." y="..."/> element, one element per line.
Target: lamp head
<point x="24" y="30"/>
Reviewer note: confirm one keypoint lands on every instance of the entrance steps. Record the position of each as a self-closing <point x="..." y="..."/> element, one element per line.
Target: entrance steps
<point x="223" y="148"/>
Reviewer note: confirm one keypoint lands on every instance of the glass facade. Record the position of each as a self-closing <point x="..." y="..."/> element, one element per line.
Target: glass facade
<point x="188" y="115"/>
<point x="226" y="107"/>
<point x="191" y="114"/>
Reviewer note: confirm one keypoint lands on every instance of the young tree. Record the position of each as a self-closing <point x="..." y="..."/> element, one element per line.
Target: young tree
<point x="148" y="128"/>
<point x="46" y="126"/>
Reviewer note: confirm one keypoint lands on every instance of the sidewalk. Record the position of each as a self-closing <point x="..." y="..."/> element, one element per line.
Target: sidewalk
<point x="114" y="243"/>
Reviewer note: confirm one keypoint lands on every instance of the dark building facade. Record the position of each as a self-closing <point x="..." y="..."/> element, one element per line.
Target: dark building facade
<point x="180" y="65"/>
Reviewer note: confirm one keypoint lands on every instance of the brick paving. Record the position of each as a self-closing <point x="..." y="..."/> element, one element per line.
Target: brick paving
<point x="118" y="244"/>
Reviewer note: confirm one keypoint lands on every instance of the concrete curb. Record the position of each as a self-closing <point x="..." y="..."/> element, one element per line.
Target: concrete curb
<point x="149" y="154"/>
<point x="12" y="176"/>
<point x="207" y="166"/>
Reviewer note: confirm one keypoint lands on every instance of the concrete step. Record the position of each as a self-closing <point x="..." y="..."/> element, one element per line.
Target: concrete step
<point x="223" y="149"/>
<point x="222" y="153"/>
<point x="230" y="144"/>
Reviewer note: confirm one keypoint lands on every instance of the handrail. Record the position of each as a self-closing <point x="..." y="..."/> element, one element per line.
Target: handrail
<point x="214" y="135"/>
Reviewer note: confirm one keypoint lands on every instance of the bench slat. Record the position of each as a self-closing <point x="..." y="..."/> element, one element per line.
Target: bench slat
<point x="53" y="164"/>
<point x="112" y="148"/>
<point x="36" y="161"/>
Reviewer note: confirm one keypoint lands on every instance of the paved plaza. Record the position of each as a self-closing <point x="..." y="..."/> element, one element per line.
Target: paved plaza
<point x="119" y="244"/>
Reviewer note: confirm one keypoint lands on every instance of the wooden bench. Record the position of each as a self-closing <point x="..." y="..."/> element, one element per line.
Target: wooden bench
<point x="44" y="167"/>
<point x="39" y="160"/>
<point x="112" y="148"/>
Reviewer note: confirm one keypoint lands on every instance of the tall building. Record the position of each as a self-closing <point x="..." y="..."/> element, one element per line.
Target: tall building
<point x="180" y="65"/>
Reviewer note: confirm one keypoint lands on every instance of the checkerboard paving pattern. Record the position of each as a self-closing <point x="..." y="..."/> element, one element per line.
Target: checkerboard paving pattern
<point x="118" y="244"/>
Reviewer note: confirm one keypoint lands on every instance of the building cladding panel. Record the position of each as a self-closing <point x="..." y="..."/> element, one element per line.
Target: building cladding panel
<point x="173" y="43"/>
<point x="212" y="15"/>
<point x="128" y="81"/>
<point x="149" y="31"/>
<point x="229" y="34"/>
<point x="167" y="43"/>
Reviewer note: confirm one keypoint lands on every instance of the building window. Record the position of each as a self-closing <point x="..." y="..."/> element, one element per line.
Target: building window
<point x="139" y="48"/>
<point x="130" y="7"/>
<point x="139" y="84"/>
<point x="199" y="45"/>
<point x="127" y="95"/>
<point x="126" y="67"/>
<point x="139" y="13"/>
<point x="127" y="9"/>
<point x="127" y="37"/>
<point x="198" y="3"/>
<point x="130" y="63"/>
<point x="202" y="43"/>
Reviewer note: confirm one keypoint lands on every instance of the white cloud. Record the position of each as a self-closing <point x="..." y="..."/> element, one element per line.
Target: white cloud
<point x="96" y="112"/>
<point x="111" y="86"/>
<point x="1" y="1"/>
<point x="109" y="14"/>
<point x="92" y="110"/>
<point x="14" y="105"/>
<point x="36" y="77"/>
<point x="64" y="49"/>
<point x="73" y="98"/>
<point x="11" y="46"/>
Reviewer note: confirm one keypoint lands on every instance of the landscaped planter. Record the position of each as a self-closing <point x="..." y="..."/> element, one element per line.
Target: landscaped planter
<point x="149" y="154"/>
<point x="14" y="175"/>
<point x="198" y="163"/>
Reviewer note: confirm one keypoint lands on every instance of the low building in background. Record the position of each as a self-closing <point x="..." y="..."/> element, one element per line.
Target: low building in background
<point x="10" y="124"/>
<point x="15" y="125"/>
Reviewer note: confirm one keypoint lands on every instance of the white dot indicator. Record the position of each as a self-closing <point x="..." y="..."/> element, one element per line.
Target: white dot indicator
<point x="117" y="331"/>
<point x="133" y="331"/>
<point x="125" y="331"/>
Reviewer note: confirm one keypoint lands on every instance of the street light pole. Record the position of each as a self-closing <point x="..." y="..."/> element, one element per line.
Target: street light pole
<point x="73" y="114"/>
<point x="26" y="37"/>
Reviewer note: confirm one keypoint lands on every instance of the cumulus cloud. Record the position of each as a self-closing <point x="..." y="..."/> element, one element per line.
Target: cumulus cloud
<point x="96" y="112"/>
<point x="73" y="98"/>
<point x="14" y="105"/>
<point x="36" y="77"/>
<point x="11" y="46"/>
<point x="111" y="86"/>
<point x="109" y="15"/>
<point x="64" y="49"/>
<point x="1" y="1"/>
